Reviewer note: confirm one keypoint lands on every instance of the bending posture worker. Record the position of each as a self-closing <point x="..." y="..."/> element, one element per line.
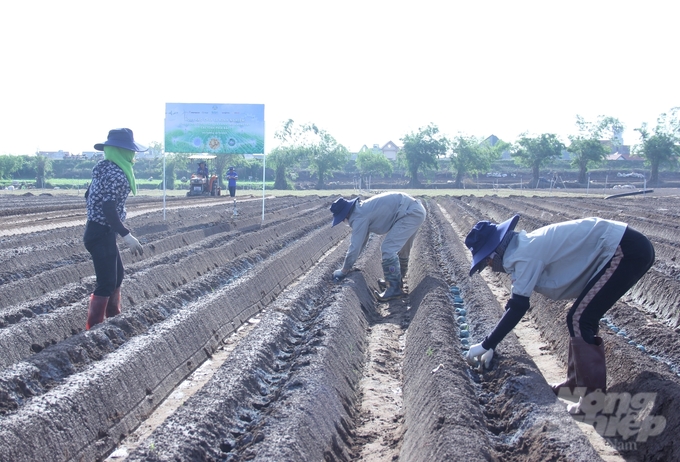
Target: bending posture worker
<point x="394" y="214"/>
<point x="593" y="260"/>
<point x="112" y="181"/>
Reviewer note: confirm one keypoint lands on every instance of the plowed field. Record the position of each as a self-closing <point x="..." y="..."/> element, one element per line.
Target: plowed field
<point x="236" y="320"/>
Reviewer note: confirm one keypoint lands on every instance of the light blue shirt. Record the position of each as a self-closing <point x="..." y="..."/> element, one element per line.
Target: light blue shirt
<point x="558" y="260"/>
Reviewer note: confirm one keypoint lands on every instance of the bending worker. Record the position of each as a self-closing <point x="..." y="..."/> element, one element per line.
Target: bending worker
<point x="592" y="260"/>
<point x="112" y="181"/>
<point x="394" y="214"/>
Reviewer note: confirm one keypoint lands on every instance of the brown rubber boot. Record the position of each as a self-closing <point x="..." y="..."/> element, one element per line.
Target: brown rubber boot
<point x="96" y="310"/>
<point x="570" y="381"/>
<point x="589" y="364"/>
<point x="590" y="367"/>
<point x="113" y="307"/>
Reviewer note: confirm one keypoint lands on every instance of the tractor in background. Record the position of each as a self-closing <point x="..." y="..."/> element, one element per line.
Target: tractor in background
<point x="204" y="181"/>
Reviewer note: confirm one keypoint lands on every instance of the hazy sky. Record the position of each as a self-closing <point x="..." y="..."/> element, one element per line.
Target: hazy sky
<point x="365" y="71"/>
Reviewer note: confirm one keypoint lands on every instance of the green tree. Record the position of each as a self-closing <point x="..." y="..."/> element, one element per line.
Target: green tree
<point x="586" y="151"/>
<point x="587" y="147"/>
<point x="468" y="155"/>
<point x="536" y="152"/>
<point x="170" y="175"/>
<point x="421" y="150"/>
<point x="660" y="145"/>
<point x="43" y="167"/>
<point x="287" y="154"/>
<point x="156" y="149"/>
<point x="8" y="165"/>
<point x="323" y="153"/>
<point x="370" y="162"/>
<point x="172" y="160"/>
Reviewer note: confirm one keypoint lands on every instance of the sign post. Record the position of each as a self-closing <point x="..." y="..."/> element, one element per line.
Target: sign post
<point x="218" y="129"/>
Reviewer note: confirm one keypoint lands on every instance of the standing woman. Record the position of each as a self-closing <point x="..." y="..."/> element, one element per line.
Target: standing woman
<point x="112" y="181"/>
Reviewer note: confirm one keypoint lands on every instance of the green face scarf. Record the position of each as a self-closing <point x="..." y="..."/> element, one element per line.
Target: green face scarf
<point x="124" y="158"/>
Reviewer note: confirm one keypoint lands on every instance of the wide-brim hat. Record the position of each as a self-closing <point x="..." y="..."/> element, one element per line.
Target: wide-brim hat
<point x="122" y="138"/>
<point x="340" y="208"/>
<point x="483" y="239"/>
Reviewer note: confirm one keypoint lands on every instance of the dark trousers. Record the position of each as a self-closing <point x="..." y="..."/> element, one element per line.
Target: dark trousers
<point x="632" y="259"/>
<point x="232" y="191"/>
<point x="100" y="241"/>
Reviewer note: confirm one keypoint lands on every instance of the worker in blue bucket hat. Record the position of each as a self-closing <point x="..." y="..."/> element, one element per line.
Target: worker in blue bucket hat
<point x="396" y="215"/>
<point x="592" y="260"/>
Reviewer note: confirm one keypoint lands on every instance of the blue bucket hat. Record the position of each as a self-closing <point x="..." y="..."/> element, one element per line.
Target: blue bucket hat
<point x="340" y="208"/>
<point x="122" y="138"/>
<point x="483" y="239"/>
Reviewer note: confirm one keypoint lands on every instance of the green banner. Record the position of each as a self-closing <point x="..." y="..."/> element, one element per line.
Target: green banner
<point x="214" y="128"/>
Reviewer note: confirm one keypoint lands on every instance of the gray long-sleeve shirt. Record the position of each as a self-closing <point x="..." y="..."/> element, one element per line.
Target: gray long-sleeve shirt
<point x="375" y="215"/>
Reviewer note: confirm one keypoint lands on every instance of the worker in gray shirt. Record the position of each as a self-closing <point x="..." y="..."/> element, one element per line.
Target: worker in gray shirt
<point x="393" y="214"/>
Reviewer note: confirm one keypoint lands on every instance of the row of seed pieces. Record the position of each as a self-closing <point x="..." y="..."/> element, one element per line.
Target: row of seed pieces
<point x="461" y="313"/>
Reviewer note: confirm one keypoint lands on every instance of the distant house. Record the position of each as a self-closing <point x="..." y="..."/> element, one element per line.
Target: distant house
<point x="74" y="156"/>
<point x="620" y="152"/>
<point x="628" y="157"/>
<point x="389" y="150"/>
<point x="54" y="155"/>
<point x="92" y="154"/>
<point x="492" y="140"/>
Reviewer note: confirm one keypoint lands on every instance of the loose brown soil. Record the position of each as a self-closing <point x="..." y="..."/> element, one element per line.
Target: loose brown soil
<point x="235" y="344"/>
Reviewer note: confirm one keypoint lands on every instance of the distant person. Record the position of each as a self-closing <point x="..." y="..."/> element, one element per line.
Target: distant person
<point x="232" y="176"/>
<point x="592" y="260"/>
<point x="202" y="169"/>
<point x="112" y="181"/>
<point x="396" y="215"/>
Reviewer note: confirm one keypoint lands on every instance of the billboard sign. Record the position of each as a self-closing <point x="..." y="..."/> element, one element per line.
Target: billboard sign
<point x="214" y="128"/>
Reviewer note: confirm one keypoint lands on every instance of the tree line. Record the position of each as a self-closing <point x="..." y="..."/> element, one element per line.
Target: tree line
<point x="307" y="146"/>
<point x="421" y="150"/>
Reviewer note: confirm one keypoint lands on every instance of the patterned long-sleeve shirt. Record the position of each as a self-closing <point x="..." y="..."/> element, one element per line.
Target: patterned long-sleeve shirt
<point x="109" y="184"/>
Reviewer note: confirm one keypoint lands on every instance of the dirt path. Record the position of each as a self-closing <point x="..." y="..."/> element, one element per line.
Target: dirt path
<point x="381" y="413"/>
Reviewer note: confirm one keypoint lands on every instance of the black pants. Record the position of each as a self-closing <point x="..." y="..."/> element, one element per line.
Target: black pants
<point x="100" y="241"/>
<point x="232" y="191"/>
<point x="633" y="258"/>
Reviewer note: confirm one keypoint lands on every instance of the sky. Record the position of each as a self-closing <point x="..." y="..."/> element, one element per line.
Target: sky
<point x="367" y="72"/>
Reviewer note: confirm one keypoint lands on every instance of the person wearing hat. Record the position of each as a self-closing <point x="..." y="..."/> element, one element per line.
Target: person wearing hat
<point x="232" y="176"/>
<point x="112" y="181"/>
<point x="202" y="169"/>
<point x="592" y="260"/>
<point x="393" y="214"/>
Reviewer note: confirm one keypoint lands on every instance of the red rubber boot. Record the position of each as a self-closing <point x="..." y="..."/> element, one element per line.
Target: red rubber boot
<point x="113" y="307"/>
<point x="96" y="310"/>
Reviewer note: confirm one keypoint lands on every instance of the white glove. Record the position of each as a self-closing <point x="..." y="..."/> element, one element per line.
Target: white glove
<point x="133" y="243"/>
<point x="478" y="353"/>
<point x="338" y="274"/>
